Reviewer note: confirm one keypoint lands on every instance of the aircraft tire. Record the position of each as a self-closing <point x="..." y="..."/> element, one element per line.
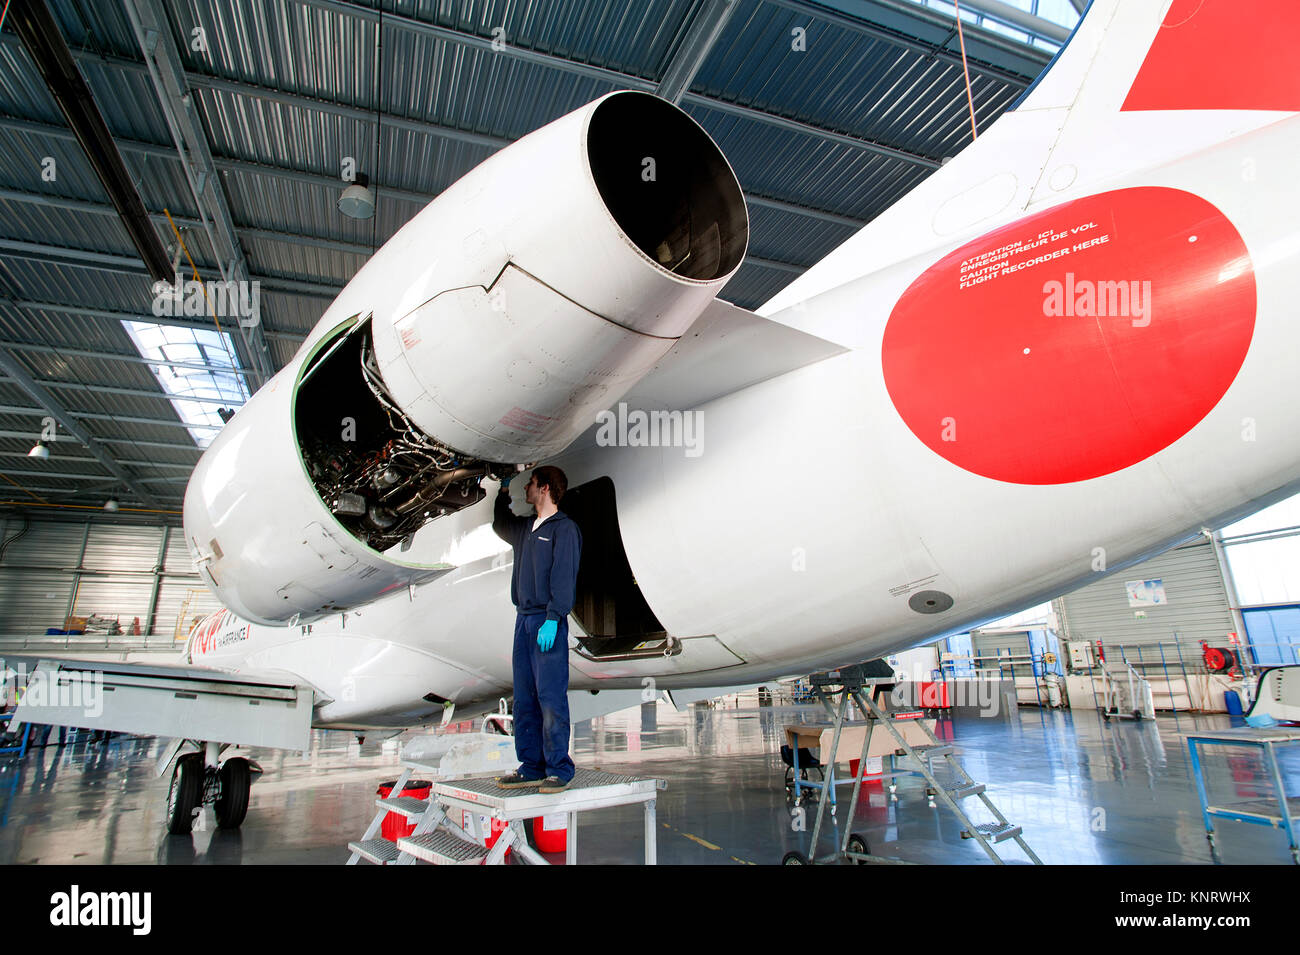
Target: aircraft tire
<point x="186" y="792"/>
<point x="232" y="805"/>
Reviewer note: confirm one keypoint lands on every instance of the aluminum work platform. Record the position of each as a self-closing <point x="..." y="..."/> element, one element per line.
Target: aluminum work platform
<point x="439" y="839"/>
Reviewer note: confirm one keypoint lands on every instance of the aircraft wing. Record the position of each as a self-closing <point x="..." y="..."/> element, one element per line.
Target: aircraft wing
<point x="168" y="700"/>
<point x="725" y="350"/>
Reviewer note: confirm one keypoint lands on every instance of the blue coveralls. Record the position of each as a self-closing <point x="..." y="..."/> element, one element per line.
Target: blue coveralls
<point x="542" y="586"/>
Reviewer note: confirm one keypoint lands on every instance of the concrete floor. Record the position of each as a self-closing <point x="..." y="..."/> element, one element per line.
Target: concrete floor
<point x="1086" y="792"/>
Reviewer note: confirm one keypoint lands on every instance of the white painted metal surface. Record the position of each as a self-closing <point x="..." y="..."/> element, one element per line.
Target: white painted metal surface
<point x="169" y="701"/>
<point x="817" y="510"/>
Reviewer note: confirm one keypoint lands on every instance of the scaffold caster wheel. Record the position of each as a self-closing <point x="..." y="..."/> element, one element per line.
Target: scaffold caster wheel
<point x="794" y="857"/>
<point x="858" y="846"/>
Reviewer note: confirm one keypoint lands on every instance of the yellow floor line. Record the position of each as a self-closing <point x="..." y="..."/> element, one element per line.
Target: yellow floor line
<point x="703" y="842"/>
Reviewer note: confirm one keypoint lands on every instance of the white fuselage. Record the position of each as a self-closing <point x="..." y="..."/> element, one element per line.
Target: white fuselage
<point x="793" y="538"/>
<point x="797" y="533"/>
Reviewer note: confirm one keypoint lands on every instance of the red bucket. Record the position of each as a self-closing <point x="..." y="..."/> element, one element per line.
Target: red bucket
<point x="552" y="832"/>
<point x="868" y="777"/>
<point x="395" y="825"/>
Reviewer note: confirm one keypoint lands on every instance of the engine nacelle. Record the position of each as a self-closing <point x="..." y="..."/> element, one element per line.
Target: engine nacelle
<point x="488" y="332"/>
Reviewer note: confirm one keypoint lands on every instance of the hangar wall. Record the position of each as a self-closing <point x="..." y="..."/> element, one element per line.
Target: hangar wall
<point x="1196" y="606"/>
<point x="58" y="569"/>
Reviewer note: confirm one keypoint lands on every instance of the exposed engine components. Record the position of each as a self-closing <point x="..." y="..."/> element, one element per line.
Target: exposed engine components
<point x="377" y="472"/>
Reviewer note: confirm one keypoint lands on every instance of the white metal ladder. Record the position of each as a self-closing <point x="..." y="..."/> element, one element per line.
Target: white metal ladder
<point x="438" y="838"/>
<point x="442" y="840"/>
<point x="987" y="834"/>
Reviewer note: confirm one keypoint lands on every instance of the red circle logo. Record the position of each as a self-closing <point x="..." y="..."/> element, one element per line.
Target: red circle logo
<point x="1077" y="341"/>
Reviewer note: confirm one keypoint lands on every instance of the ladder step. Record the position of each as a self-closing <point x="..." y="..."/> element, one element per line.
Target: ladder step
<point x="994" y="831"/>
<point x="962" y="792"/>
<point x="406" y="806"/>
<point x="934" y="750"/>
<point x="442" y="848"/>
<point x="378" y="851"/>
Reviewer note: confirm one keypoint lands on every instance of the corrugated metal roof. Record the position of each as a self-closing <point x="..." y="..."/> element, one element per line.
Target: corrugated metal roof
<point x="285" y="90"/>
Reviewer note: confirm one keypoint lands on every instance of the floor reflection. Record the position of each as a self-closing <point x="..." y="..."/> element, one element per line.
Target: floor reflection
<point x="1086" y="791"/>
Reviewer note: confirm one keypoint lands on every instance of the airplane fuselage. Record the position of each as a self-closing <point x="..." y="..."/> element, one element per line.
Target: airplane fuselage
<point x="867" y="502"/>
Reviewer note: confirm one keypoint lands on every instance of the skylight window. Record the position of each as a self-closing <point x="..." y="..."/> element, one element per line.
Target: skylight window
<point x="177" y="350"/>
<point x="1052" y="12"/>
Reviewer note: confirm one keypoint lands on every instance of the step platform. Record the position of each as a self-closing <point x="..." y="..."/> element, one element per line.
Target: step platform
<point x="378" y="851"/>
<point x="590" y="789"/>
<point x="442" y="848"/>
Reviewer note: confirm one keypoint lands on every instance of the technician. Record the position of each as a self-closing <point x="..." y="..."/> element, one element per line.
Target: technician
<point x="542" y="587"/>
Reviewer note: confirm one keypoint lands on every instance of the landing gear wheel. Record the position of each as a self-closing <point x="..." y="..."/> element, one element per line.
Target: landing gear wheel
<point x="858" y="845"/>
<point x="794" y="857"/>
<point x="232" y="804"/>
<point x="185" y="795"/>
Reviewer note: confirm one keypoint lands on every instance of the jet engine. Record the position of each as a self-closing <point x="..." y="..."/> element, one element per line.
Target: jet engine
<point x="486" y="334"/>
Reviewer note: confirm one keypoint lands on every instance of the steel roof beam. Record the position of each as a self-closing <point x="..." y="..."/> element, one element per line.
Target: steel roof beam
<point x="66" y="476"/>
<point x="695" y="48"/>
<point x="48" y="52"/>
<point x="131" y="392"/>
<point x="627" y="81"/>
<point x="99" y="208"/>
<point x="330" y="182"/>
<point x="14" y="369"/>
<point x="773" y="264"/>
<point x="76" y="459"/>
<point x="122" y="263"/>
<point x="1019" y="19"/>
<point x="93" y="416"/>
<point x="130" y="265"/>
<point x="110" y="356"/>
<point x="938" y="21"/>
<point x="153" y="34"/>
<point x="765" y="202"/>
<point x="114" y="316"/>
<point x="32" y="436"/>
<point x="153" y="444"/>
<point x="353" y="248"/>
<point x="621" y="80"/>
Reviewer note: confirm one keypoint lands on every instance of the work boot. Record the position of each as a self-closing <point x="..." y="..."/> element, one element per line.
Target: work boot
<point x="517" y="781"/>
<point x="554" y="784"/>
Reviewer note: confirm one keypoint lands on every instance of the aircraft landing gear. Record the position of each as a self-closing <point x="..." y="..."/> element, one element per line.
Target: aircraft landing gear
<point x="231" y="804"/>
<point x="199" y="779"/>
<point x="186" y="794"/>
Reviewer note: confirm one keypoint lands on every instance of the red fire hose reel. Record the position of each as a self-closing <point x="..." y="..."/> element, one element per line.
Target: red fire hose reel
<point x="1221" y="660"/>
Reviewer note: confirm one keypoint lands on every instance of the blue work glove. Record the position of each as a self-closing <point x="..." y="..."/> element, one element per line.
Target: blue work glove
<point x="505" y="482"/>
<point x="546" y="635"/>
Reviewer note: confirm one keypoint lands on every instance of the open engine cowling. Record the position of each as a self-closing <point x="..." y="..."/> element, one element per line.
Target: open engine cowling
<point x="487" y="333"/>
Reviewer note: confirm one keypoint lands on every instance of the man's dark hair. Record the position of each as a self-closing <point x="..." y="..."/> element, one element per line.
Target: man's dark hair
<point x="549" y="476"/>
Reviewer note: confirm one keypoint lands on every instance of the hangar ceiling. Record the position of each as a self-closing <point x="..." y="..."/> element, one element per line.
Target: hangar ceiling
<point x="236" y="122"/>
